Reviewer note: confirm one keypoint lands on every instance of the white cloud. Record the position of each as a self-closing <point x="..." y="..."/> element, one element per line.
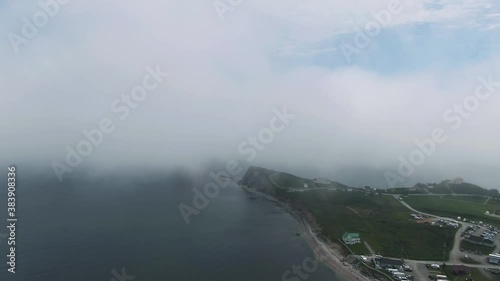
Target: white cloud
<point x="224" y="83"/>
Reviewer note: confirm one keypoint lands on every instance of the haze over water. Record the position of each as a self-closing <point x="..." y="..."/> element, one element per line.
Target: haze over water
<point x="89" y="227"/>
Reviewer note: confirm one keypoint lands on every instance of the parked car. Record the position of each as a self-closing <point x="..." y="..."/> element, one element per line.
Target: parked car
<point x="435" y="266"/>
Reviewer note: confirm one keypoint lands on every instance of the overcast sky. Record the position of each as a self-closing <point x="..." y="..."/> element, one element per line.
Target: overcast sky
<point x="231" y="63"/>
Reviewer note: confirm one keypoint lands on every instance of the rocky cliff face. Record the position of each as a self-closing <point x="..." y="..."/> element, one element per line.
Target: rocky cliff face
<point x="258" y="178"/>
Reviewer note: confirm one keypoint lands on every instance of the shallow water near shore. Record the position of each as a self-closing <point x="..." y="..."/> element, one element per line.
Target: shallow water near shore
<point x="86" y="231"/>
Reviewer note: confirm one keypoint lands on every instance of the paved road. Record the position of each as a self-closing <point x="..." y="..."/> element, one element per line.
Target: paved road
<point x="443" y="194"/>
<point x="372" y="252"/>
<point x="455" y="253"/>
<point x="416" y="211"/>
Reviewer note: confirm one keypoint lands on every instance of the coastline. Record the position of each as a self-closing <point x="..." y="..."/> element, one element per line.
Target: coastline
<point x="329" y="255"/>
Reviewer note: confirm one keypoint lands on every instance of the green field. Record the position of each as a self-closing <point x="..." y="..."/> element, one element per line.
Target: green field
<point x="494" y="201"/>
<point x="481" y="199"/>
<point x="474" y="199"/>
<point x="469" y="246"/>
<point x="288" y="180"/>
<point x="380" y="220"/>
<point x="452" y="208"/>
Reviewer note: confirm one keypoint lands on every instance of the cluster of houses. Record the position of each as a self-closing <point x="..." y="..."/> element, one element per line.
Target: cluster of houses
<point x="485" y="239"/>
<point x="479" y="240"/>
<point x="446" y="223"/>
<point x="395" y="267"/>
<point x="387" y="263"/>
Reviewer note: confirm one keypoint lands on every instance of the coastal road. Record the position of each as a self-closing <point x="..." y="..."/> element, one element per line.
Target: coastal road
<point x="480" y="266"/>
<point x="455" y="253"/>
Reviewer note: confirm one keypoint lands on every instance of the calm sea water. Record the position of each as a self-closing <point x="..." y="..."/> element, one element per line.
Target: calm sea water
<point x="83" y="229"/>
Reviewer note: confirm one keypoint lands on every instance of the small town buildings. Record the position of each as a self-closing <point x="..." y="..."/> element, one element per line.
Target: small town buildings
<point x="478" y="240"/>
<point x="388" y="263"/>
<point x="494" y="258"/>
<point x="351" y="238"/>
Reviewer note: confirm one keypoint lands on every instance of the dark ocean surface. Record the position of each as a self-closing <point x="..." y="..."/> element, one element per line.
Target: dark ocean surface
<point x="86" y="227"/>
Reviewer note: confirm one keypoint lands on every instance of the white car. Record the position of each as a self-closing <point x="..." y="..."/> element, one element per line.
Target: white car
<point x="435" y="266"/>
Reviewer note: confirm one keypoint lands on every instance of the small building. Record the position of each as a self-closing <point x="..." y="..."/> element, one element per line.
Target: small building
<point x="388" y="263"/>
<point x="351" y="238"/>
<point x="458" y="180"/>
<point x="306" y="185"/>
<point x="488" y="242"/>
<point x="478" y="240"/>
<point x="494" y="258"/>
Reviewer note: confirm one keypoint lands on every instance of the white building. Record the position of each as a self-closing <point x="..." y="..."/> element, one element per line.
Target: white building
<point x="351" y="238"/>
<point x="494" y="258"/>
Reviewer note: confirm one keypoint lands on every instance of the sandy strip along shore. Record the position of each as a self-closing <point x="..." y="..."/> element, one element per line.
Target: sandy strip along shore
<point x="329" y="256"/>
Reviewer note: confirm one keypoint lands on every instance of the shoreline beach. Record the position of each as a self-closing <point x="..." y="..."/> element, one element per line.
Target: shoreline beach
<point x="323" y="252"/>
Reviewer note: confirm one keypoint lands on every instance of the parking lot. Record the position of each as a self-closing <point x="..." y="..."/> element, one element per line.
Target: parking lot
<point x="474" y="253"/>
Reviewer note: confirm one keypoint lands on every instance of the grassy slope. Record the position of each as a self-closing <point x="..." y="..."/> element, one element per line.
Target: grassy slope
<point x="288" y="180"/>
<point x="474" y="199"/>
<point x="387" y="228"/>
<point x="469" y="188"/>
<point x="381" y="220"/>
<point x="452" y="208"/>
<point x="463" y="188"/>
